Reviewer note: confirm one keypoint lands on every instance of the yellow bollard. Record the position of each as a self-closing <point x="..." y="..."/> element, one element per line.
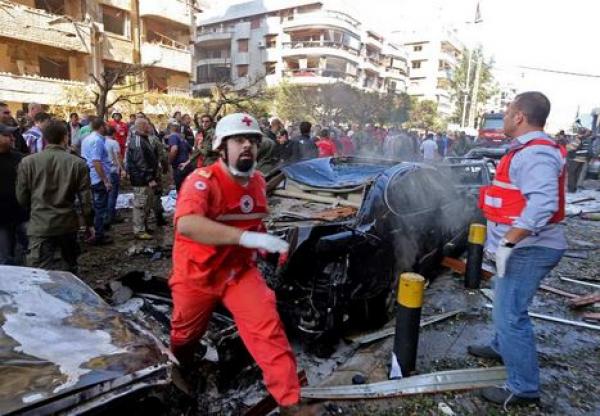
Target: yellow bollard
<point x="477" y="234"/>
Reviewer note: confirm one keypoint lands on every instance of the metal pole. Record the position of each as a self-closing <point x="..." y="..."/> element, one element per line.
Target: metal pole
<point x="473" y="109"/>
<point x="477" y="234"/>
<point x="408" y="316"/>
<point x="466" y="93"/>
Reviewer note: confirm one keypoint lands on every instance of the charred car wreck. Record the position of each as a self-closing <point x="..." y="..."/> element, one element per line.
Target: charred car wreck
<point x="353" y="225"/>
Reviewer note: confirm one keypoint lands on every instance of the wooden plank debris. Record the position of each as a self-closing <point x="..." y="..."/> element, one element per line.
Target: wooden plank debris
<point x="582" y="301"/>
<point x="591" y="316"/>
<point x="579" y="282"/>
<point x="558" y="320"/>
<point x="316" y="198"/>
<point x="442" y="381"/>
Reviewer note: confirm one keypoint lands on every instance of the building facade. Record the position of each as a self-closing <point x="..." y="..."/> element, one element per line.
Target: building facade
<point x="434" y="53"/>
<point x="49" y="45"/>
<point x="307" y="43"/>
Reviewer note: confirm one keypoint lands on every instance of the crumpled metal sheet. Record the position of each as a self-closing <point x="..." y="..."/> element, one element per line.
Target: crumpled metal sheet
<point x="335" y="173"/>
<point x="58" y="336"/>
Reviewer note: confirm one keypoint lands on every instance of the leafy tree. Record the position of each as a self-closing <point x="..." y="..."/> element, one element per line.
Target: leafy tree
<point x="423" y="115"/>
<point x="458" y="82"/>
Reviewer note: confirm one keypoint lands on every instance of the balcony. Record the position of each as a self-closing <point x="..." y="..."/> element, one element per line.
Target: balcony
<point x="318" y="48"/>
<point x="117" y="48"/>
<point x="37" y="26"/>
<point x="214" y="36"/>
<point x="271" y="55"/>
<point x="322" y="19"/>
<point x="449" y="58"/>
<point x="241" y="58"/>
<point x="213" y="61"/>
<point x="162" y="56"/>
<point x="31" y="88"/>
<point x="317" y="76"/>
<point x="175" y="11"/>
<point x="119" y="4"/>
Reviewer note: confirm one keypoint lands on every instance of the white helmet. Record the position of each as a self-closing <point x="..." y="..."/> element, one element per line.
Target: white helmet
<point x="233" y="125"/>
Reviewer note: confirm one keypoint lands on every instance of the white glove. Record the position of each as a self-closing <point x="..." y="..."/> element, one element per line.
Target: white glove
<point x="502" y="255"/>
<point x="263" y="241"/>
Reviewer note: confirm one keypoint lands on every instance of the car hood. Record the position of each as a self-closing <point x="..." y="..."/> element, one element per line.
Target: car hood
<point x="58" y="337"/>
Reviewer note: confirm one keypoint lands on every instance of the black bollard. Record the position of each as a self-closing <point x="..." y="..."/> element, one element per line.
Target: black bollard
<point x="477" y="234"/>
<point x="408" y="317"/>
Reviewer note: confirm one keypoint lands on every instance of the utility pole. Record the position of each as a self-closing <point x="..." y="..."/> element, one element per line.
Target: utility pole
<point x="466" y="90"/>
<point x="473" y="109"/>
<point x="477" y="19"/>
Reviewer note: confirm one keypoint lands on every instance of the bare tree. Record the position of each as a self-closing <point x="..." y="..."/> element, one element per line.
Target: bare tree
<point x="122" y="82"/>
<point x="244" y="99"/>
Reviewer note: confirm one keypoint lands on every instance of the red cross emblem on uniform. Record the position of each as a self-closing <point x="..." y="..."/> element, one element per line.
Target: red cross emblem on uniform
<point x="247" y="120"/>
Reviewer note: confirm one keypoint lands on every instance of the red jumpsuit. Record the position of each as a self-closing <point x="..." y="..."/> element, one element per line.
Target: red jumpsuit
<point x="120" y="135"/>
<point x="205" y="275"/>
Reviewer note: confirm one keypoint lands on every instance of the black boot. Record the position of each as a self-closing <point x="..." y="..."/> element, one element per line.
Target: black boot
<point x="484" y="351"/>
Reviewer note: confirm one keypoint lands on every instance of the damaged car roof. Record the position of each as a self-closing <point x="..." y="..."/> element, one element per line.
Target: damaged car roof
<point x="62" y="346"/>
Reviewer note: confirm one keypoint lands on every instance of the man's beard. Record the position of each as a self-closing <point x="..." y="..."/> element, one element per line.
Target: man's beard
<point x="244" y="165"/>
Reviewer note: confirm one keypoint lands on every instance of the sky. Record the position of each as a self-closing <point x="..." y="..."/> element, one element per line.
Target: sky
<point x="551" y="34"/>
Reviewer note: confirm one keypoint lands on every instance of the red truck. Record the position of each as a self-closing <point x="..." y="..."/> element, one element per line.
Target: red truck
<point x="491" y="131"/>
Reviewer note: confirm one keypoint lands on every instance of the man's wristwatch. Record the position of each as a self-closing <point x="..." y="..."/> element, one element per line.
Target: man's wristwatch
<point x="505" y="243"/>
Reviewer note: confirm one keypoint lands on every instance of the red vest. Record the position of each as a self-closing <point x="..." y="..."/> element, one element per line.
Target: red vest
<point x="503" y="202"/>
<point x="231" y="204"/>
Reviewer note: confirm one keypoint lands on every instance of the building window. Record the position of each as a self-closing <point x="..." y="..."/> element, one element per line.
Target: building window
<point x="255" y="23"/>
<point x="242" y="71"/>
<point x="270" y="68"/>
<point x="54" y="68"/>
<point x="416" y="64"/>
<point x="115" y="20"/>
<point x="51" y="6"/>
<point x="270" y="41"/>
<point x="417" y="48"/>
<point x="243" y="45"/>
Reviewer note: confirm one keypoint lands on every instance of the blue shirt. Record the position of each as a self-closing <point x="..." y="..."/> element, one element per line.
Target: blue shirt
<point x="92" y="149"/>
<point x="183" y="149"/>
<point x="535" y="171"/>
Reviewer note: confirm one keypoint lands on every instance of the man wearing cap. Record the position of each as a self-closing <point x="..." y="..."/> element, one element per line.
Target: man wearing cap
<point x="218" y="231"/>
<point x="13" y="240"/>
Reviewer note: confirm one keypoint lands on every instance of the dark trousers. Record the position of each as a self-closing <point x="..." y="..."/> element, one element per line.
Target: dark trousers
<point x="100" y="196"/>
<point x="179" y="175"/>
<point x="13" y="243"/>
<point x="573" y="172"/>
<point x="58" y="252"/>
<point x="111" y="212"/>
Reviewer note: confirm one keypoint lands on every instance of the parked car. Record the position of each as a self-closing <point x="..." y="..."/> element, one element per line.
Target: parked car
<point x="353" y="225"/>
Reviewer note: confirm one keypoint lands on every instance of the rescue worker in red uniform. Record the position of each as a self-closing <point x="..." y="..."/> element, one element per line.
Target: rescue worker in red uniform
<point x="524" y="207"/>
<point x="121" y="130"/>
<point x="218" y="230"/>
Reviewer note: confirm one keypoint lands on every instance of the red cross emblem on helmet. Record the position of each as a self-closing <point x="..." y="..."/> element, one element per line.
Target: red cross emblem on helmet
<point x="247" y="120"/>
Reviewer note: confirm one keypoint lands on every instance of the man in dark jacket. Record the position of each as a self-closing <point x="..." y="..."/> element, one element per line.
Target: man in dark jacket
<point x="13" y="240"/>
<point x="304" y="146"/>
<point x="142" y="168"/>
<point x="47" y="185"/>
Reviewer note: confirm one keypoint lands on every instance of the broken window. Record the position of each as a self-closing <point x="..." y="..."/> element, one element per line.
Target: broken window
<point x="270" y="41"/>
<point x="242" y="70"/>
<point x="114" y="20"/>
<point x="243" y="45"/>
<point x="213" y="73"/>
<point x="54" y="68"/>
<point x="51" y="6"/>
<point x="270" y="67"/>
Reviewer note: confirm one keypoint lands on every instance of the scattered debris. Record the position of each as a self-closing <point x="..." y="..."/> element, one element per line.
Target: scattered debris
<point x="459" y="266"/>
<point x="591" y="316"/>
<point x="590" y="216"/>
<point x="582" y="301"/>
<point x="577" y="254"/>
<point x="559" y="320"/>
<point x="579" y="282"/>
<point x="558" y="291"/>
<point x="465" y="379"/>
<point x="386" y="332"/>
<point x="445" y="409"/>
<point x="359" y="379"/>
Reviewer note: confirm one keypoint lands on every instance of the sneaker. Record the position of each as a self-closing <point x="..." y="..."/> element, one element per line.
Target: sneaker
<point x="143" y="236"/>
<point x="484" y="351"/>
<point x="504" y="397"/>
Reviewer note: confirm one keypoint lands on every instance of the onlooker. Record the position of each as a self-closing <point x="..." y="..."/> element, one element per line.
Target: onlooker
<point x="121" y="130"/>
<point x="283" y="148"/>
<point x="575" y="163"/>
<point x="32" y="110"/>
<point x="50" y="199"/>
<point x="116" y="170"/>
<point x="327" y="147"/>
<point x="266" y="160"/>
<point x="304" y="147"/>
<point x="20" y="145"/>
<point x="347" y="145"/>
<point x="74" y="126"/>
<point x="34" y="137"/>
<point x="179" y="153"/>
<point x="142" y="168"/>
<point x="93" y="150"/>
<point x="160" y="151"/>
<point x="204" y="154"/>
<point x="85" y="129"/>
<point x="186" y="129"/>
<point x="13" y="240"/>
<point x="429" y="148"/>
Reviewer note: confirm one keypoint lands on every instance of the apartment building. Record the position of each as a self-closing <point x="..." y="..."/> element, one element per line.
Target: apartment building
<point x="47" y="46"/>
<point x="307" y="43"/>
<point x="433" y="53"/>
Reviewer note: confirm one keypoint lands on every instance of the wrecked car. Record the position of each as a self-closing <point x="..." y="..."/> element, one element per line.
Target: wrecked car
<point x="353" y="225"/>
<point x="63" y="350"/>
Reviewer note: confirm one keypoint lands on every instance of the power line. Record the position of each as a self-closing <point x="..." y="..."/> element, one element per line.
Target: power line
<point x="555" y="71"/>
